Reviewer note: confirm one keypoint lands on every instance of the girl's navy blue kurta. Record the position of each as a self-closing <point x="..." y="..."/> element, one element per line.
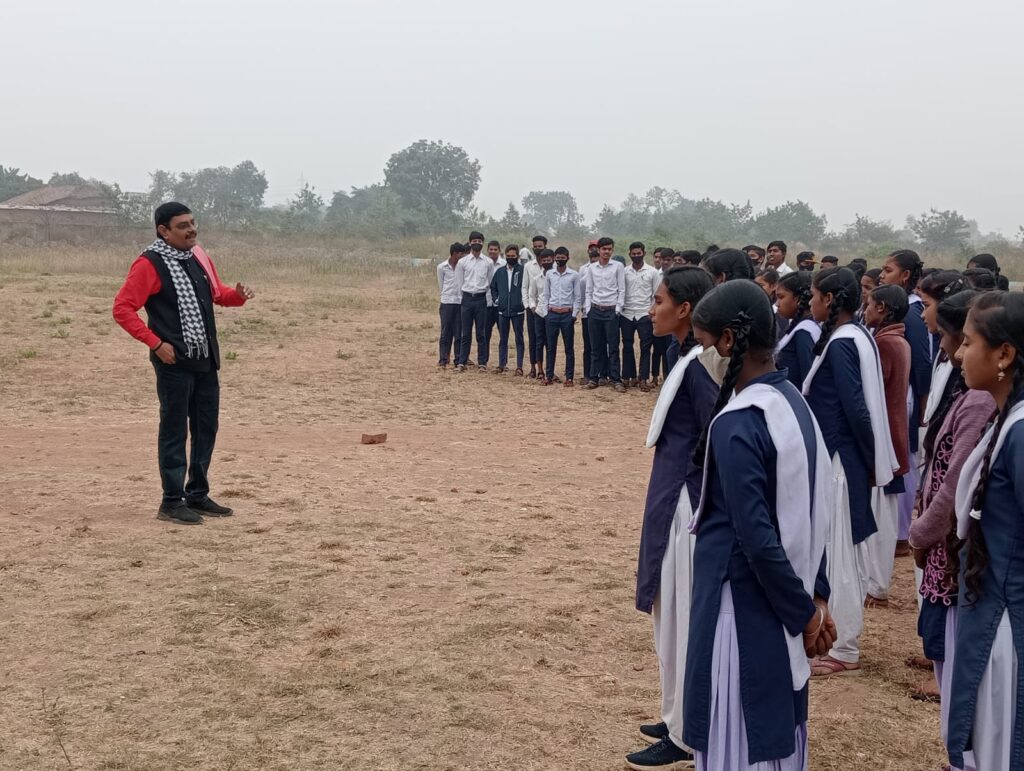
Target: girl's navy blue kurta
<point x="1002" y="588"/>
<point x="837" y="399"/>
<point x="673" y="467"/>
<point x="916" y="333"/>
<point x="738" y="541"/>
<point x="797" y="357"/>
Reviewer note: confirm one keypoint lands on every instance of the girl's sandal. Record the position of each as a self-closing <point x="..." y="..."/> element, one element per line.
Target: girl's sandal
<point x="825" y="667"/>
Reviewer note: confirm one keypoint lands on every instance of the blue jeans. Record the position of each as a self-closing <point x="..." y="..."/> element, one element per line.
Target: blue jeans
<point x="189" y="404"/>
<point x="516" y="322"/>
<point x="560" y="323"/>
<point x="604" y="343"/>
<point x="451" y="331"/>
<point x="474" y="316"/>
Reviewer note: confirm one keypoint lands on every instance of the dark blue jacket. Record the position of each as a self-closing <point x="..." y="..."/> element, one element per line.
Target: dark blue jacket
<point x="916" y="332"/>
<point x="508" y="300"/>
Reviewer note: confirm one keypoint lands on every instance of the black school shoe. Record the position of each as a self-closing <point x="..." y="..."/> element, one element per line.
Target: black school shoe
<point x="180" y="513"/>
<point x="653" y="732"/>
<point x="207" y="507"/>
<point x="663" y="755"/>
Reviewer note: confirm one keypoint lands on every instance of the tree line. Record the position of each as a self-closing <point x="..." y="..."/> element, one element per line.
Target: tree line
<point x="428" y="189"/>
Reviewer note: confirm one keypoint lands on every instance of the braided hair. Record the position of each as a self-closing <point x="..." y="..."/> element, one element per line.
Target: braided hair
<point x="798" y="283"/>
<point x="743" y="307"/>
<point x="999" y="318"/>
<point x="894" y="298"/>
<point x="732" y="263"/>
<point x="909" y="260"/>
<point x="951" y="315"/>
<point x="687" y="284"/>
<point x="844" y="287"/>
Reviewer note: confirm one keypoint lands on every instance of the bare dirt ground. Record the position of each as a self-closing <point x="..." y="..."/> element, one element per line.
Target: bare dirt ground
<point x="460" y="597"/>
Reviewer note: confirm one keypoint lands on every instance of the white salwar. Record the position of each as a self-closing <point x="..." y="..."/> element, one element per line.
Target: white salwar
<point x="672" y="618"/>
<point x="876" y="553"/>
<point x="995" y="711"/>
<point x="846" y="604"/>
<point x="727" y="732"/>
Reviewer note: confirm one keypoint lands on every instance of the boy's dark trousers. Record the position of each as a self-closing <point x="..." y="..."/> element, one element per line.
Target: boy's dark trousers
<point x="189" y="405"/>
<point x="504" y="322"/>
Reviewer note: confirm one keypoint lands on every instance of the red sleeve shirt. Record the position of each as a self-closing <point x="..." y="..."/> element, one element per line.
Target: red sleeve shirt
<point x="143" y="282"/>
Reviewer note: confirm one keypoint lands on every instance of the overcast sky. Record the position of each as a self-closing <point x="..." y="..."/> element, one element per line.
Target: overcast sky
<point x="876" y="107"/>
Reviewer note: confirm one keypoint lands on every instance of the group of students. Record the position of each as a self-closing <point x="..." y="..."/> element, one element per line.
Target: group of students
<point x="534" y="299"/>
<point x="812" y="421"/>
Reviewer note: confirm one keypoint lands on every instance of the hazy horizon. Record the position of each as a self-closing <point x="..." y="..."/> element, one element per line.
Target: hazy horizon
<point x="879" y="109"/>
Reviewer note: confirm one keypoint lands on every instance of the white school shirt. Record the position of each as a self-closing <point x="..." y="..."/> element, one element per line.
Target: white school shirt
<point x="606" y="285"/>
<point x="533" y="278"/>
<point x="561" y="290"/>
<point x="583" y="271"/>
<point x="450" y="292"/>
<point x="783" y="269"/>
<point x="473" y="274"/>
<point x="640" y="288"/>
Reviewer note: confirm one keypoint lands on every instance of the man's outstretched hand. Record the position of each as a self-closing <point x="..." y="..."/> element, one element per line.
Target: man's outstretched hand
<point x="245" y="291"/>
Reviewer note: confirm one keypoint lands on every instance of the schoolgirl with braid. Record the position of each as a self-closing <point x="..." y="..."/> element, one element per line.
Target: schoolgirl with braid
<point x="884" y="315"/>
<point x="759" y="600"/>
<point x="986" y="712"/>
<point x="795" y="350"/>
<point x="904" y="268"/>
<point x="846" y="393"/>
<point x="946" y="446"/>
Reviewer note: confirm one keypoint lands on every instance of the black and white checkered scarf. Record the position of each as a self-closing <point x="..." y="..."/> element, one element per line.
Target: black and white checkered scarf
<point x="192" y="326"/>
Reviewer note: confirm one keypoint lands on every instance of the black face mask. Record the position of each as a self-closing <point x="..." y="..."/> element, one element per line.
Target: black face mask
<point x="513" y="261"/>
<point x="562" y="263"/>
<point x="593" y="253"/>
<point x="477" y="248"/>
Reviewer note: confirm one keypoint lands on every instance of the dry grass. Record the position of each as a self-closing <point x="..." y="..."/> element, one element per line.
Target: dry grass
<point x="420" y="604"/>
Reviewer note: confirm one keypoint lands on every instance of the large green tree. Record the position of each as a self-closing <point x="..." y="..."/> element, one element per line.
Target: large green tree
<point x="222" y="195"/>
<point x="941" y="230"/>
<point x="792" y="221"/>
<point x="436" y="178"/>
<point x="553" y="211"/>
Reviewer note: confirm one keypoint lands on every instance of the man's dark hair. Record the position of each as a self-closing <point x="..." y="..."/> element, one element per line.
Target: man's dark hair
<point x="456" y="248"/>
<point x="604" y="241"/>
<point x="860" y="261"/>
<point x="512" y="248"/>
<point x="165" y="212"/>
<point x="561" y="250"/>
<point x="637" y="245"/>
<point x="756" y="249"/>
<point x="829" y="259"/>
<point x="545" y="253"/>
<point x="493" y="243"/>
<point x="780" y="244"/>
<point x="689" y="256"/>
<point x="538" y="237"/>
<point x="476" y="234"/>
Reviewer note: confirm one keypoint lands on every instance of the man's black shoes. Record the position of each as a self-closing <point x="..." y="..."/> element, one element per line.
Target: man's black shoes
<point x="180" y="513"/>
<point x="663" y="755"/>
<point x="653" y="732"/>
<point x="209" y="508"/>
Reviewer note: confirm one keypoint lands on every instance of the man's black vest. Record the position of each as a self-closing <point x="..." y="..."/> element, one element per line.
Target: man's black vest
<point x="165" y="320"/>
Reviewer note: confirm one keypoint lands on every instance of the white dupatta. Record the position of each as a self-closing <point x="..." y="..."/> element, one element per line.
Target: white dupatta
<point x="970" y="473"/>
<point x="874" y="395"/>
<point x="803" y="514"/>
<point x="667" y="395"/>
<point x="810" y="326"/>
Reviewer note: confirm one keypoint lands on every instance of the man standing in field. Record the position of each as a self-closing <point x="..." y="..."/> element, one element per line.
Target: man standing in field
<point x="605" y="296"/>
<point x="635" y="320"/>
<point x="451" y="306"/>
<point x="494" y="255"/>
<point x="174" y="279"/>
<point x="776" y="258"/>
<point x="473" y="278"/>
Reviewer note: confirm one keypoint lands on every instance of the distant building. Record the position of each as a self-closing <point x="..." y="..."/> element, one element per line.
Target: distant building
<point x="59" y="213"/>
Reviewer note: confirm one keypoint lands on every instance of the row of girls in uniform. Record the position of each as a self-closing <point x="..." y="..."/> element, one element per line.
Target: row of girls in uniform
<point x="760" y="531"/>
